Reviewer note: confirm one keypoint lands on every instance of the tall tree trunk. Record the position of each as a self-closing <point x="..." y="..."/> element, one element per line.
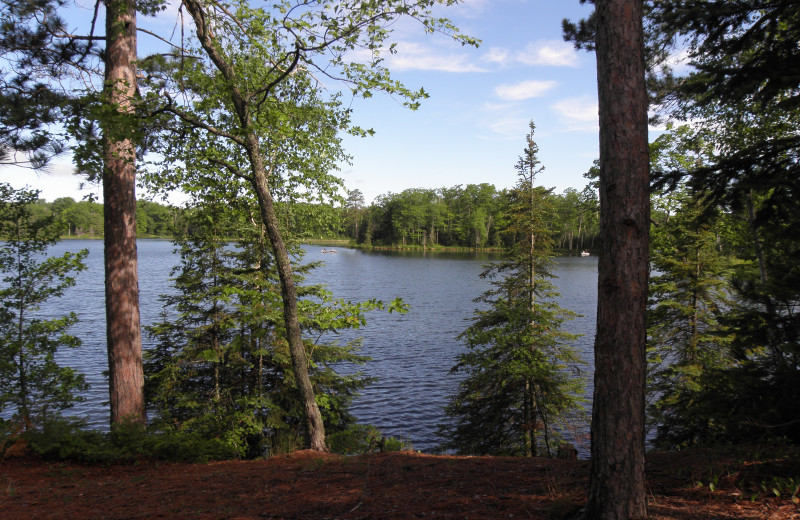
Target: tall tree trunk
<point x="617" y="490"/>
<point x="124" y="335"/>
<point x="259" y="179"/>
<point x="314" y="425"/>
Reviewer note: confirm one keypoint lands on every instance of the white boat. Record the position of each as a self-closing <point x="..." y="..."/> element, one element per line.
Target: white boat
<point x="585" y="253"/>
<point x="329" y="251"/>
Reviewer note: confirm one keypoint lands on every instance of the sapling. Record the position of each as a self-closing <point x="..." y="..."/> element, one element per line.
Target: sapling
<point x="31" y="380"/>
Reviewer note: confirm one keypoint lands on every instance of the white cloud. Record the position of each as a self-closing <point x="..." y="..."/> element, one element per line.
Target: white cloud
<point x="679" y="62"/>
<point x="496" y="55"/>
<point x="465" y="8"/>
<point x="552" y="53"/>
<point x="414" y="56"/>
<point x="524" y="90"/>
<point x="578" y="113"/>
<point x="61" y="168"/>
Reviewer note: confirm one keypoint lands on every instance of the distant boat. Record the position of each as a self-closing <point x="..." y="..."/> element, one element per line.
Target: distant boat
<point x="585" y="253"/>
<point x="329" y="251"/>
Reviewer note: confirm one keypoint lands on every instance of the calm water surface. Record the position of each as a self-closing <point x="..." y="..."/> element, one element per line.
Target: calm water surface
<point x="412" y="353"/>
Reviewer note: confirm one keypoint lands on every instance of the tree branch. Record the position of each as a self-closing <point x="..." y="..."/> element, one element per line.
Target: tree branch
<point x="231" y="169"/>
<point x="154" y="35"/>
<point x="196" y="122"/>
<point x="269" y="86"/>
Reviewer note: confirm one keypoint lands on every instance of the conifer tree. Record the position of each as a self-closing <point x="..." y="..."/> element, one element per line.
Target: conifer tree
<point x="31" y="380"/>
<point x="520" y="369"/>
<point x="222" y="366"/>
<point x="688" y="296"/>
<point x="748" y="181"/>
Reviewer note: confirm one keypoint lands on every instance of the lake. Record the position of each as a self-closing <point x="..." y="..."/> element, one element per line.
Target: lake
<point x="412" y="353"/>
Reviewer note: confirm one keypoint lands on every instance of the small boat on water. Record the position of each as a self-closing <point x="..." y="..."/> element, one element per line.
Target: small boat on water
<point x="329" y="251"/>
<point x="585" y="253"/>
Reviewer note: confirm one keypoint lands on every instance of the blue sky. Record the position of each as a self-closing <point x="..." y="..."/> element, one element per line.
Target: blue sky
<point x="472" y="128"/>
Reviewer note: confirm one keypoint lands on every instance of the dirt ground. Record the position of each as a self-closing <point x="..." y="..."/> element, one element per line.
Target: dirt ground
<point x="308" y="485"/>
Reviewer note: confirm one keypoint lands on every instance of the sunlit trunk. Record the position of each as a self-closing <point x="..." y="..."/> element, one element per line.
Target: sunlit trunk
<point x="124" y="336"/>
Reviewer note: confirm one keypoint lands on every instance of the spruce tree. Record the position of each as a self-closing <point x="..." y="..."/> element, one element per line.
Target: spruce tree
<point x="520" y="371"/>
<point x="221" y="366"/>
<point x="688" y="296"/>
<point x="32" y="383"/>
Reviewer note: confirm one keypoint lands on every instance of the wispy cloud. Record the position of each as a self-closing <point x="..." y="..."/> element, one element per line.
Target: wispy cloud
<point x="473" y="7"/>
<point x="551" y="53"/>
<point x="524" y="90"/>
<point x="415" y="56"/>
<point x="510" y="127"/>
<point x="496" y="55"/>
<point x="577" y="114"/>
<point x="542" y="53"/>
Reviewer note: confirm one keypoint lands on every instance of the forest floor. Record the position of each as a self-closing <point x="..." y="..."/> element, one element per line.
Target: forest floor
<point x="694" y="484"/>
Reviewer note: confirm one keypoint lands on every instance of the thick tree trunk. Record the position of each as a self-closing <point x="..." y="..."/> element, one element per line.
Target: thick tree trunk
<point x="124" y="336"/>
<point x="617" y="490"/>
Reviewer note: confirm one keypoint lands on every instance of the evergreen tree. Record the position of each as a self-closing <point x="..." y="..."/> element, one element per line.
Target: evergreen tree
<point x="222" y="366"/>
<point x="616" y="31"/>
<point x="36" y="63"/>
<point x="688" y="296"/>
<point x="31" y="381"/>
<point x="723" y="331"/>
<point x="520" y="382"/>
<point x="742" y="93"/>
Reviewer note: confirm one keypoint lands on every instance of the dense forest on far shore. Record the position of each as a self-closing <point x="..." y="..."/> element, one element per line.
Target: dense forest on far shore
<point x="472" y="216"/>
<point x="84" y="219"/>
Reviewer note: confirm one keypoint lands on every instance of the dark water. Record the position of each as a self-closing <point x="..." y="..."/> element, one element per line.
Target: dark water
<point x="412" y="353"/>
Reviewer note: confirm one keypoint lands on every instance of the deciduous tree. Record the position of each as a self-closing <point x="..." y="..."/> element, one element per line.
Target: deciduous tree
<point x="259" y="58"/>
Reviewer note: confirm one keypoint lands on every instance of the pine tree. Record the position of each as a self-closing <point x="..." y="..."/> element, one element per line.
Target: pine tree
<point x="31" y="381"/>
<point x="520" y="370"/>
<point x="688" y="296"/>
<point x="222" y="366"/>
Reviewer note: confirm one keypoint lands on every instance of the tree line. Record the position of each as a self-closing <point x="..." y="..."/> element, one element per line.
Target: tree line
<point x="471" y="216"/>
<point x="84" y="218"/>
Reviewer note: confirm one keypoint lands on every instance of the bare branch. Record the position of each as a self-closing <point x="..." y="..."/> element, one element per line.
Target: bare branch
<point x="230" y="168"/>
<point x="269" y="86"/>
<point x="230" y="15"/>
<point x="91" y="30"/>
<point x="154" y="35"/>
<point x="197" y="122"/>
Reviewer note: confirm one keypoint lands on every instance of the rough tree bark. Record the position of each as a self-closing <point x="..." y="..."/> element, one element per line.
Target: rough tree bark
<point x="617" y="490"/>
<point x="123" y="333"/>
<point x="259" y="179"/>
<point x="315" y="428"/>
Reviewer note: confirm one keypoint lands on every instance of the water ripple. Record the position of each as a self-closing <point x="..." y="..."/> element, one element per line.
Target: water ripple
<point x="412" y="353"/>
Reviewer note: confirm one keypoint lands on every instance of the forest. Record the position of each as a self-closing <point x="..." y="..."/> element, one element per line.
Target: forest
<point x="698" y="335"/>
<point x="469" y="217"/>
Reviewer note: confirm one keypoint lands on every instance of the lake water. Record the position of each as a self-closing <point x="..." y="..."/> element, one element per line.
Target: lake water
<point x="412" y="353"/>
